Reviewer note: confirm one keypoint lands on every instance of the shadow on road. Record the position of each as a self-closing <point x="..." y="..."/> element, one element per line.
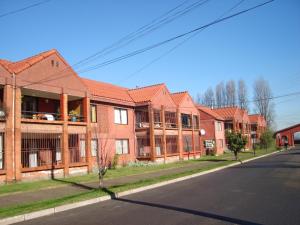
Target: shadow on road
<point x="190" y="211"/>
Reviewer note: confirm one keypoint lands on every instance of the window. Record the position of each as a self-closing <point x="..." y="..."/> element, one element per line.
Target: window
<point x="93" y="113"/>
<point x="219" y="126"/>
<point x="186" y="121"/>
<point x="94" y="147"/>
<point x="121" y="116"/>
<point x="122" y="146"/>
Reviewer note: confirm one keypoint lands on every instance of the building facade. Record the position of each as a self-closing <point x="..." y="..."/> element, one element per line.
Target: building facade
<point x="258" y="126"/>
<point x="54" y="123"/>
<point x="236" y="120"/>
<point x="213" y="125"/>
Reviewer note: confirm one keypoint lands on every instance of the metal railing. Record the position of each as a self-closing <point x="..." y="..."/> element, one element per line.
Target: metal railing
<point x="77" y="148"/>
<point x="171" y="147"/>
<point x="40" y="149"/>
<point x="143" y="147"/>
<point x="76" y="118"/>
<point x="41" y="115"/>
<point x="186" y="126"/>
<point x="2" y="152"/>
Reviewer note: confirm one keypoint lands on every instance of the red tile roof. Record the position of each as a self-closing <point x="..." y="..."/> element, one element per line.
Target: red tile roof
<point x="19" y="66"/>
<point x="257" y="118"/>
<point x="106" y="90"/>
<point x="254" y="118"/>
<point x="178" y="97"/>
<point x="145" y="94"/>
<point x="210" y="112"/>
<point x="227" y="112"/>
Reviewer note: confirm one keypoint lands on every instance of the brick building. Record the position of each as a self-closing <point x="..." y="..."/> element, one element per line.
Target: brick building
<point x="258" y="126"/>
<point x="53" y="123"/>
<point x="291" y="135"/>
<point x="237" y="120"/>
<point x="213" y="124"/>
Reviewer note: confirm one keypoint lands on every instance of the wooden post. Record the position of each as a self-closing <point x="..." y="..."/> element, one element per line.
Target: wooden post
<point x="179" y="145"/>
<point x="9" y="133"/>
<point x="17" y="136"/>
<point x="193" y="137"/>
<point x="87" y="119"/>
<point x="65" y="134"/>
<point x="164" y="132"/>
<point x="152" y="137"/>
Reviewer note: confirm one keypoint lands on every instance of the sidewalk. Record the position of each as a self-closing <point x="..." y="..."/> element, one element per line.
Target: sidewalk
<point x="76" y="188"/>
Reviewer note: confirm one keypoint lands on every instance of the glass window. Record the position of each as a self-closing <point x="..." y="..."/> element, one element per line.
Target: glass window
<point x="121" y="116"/>
<point x="94" y="147"/>
<point x="122" y="146"/>
<point x="219" y="126"/>
<point x="93" y="113"/>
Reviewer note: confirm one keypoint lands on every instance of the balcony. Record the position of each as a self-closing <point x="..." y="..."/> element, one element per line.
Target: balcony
<point x="46" y="107"/>
<point x="170" y="120"/>
<point x="143" y="147"/>
<point x="40" y="106"/>
<point x="186" y="121"/>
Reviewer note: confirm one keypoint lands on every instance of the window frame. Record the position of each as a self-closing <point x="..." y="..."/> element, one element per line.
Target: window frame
<point x="122" y="146"/>
<point x="91" y="113"/>
<point x="94" y="151"/>
<point x="120" y="110"/>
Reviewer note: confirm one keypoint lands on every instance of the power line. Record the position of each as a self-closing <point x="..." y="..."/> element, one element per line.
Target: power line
<point x="177" y="45"/>
<point x="139" y="51"/>
<point x="142" y="31"/>
<point x="25" y="8"/>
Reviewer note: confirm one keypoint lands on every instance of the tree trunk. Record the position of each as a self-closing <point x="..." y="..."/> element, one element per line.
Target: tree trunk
<point x="236" y="155"/>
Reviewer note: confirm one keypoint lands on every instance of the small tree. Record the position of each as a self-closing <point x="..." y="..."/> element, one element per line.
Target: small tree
<point x="103" y="154"/>
<point x="236" y="142"/>
<point x="266" y="139"/>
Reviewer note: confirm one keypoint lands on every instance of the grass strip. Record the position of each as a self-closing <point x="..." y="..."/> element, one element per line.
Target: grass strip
<point x="39" y="205"/>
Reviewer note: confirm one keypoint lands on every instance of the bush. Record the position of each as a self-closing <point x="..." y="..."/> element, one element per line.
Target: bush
<point x="115" y="161"/>
<point x="236" y="142"/>
<point x="266" y="139"/>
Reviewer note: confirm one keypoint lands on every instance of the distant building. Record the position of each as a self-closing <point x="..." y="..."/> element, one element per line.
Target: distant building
<point x="213" y="125"/>
<point x="291" y="135"/>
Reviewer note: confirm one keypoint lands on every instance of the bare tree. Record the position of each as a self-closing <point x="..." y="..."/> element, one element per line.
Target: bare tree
<point x="103" y="153"/>
<point x="209" y="98"/>
<point x="198" y="99"/>
<point x="230" y="93"/>
<point x="242" y="95"/>
<point x="220" y="94"/>
<point x="262" y="100"/>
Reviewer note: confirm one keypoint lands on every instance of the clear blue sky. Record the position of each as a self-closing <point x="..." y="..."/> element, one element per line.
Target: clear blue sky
<point x="264" y="42"/>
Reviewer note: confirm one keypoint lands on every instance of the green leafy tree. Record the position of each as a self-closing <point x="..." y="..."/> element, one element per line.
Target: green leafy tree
<point x="236" y="142"/>
<point x="266" y="139"/>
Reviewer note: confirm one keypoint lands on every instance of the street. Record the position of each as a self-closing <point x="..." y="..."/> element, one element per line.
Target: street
<point x="264" y="191"/>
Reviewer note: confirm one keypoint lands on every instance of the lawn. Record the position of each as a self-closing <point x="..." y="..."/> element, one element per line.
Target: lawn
<point x="222" y="160"/>
<point x="120" y="172"/>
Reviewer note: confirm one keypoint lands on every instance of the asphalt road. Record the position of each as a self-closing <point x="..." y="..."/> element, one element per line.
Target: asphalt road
<point x="264" y="191"/>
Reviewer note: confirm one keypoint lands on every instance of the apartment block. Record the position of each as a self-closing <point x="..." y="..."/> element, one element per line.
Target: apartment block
<point x="213" y="125"/>
<point x="54" y="123"/>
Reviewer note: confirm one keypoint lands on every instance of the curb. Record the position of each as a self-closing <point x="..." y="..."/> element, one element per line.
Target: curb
<point x="51" y="211"/>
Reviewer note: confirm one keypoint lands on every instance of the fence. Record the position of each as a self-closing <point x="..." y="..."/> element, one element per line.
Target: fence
<point x="40" y="149"/>
<point x="172" y="147"/>
<point x="143" y="147"/>
<point x="77" y="148"/>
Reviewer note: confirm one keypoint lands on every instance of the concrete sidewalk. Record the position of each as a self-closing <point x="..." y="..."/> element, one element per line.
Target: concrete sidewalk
<point x="76" y="188"/>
